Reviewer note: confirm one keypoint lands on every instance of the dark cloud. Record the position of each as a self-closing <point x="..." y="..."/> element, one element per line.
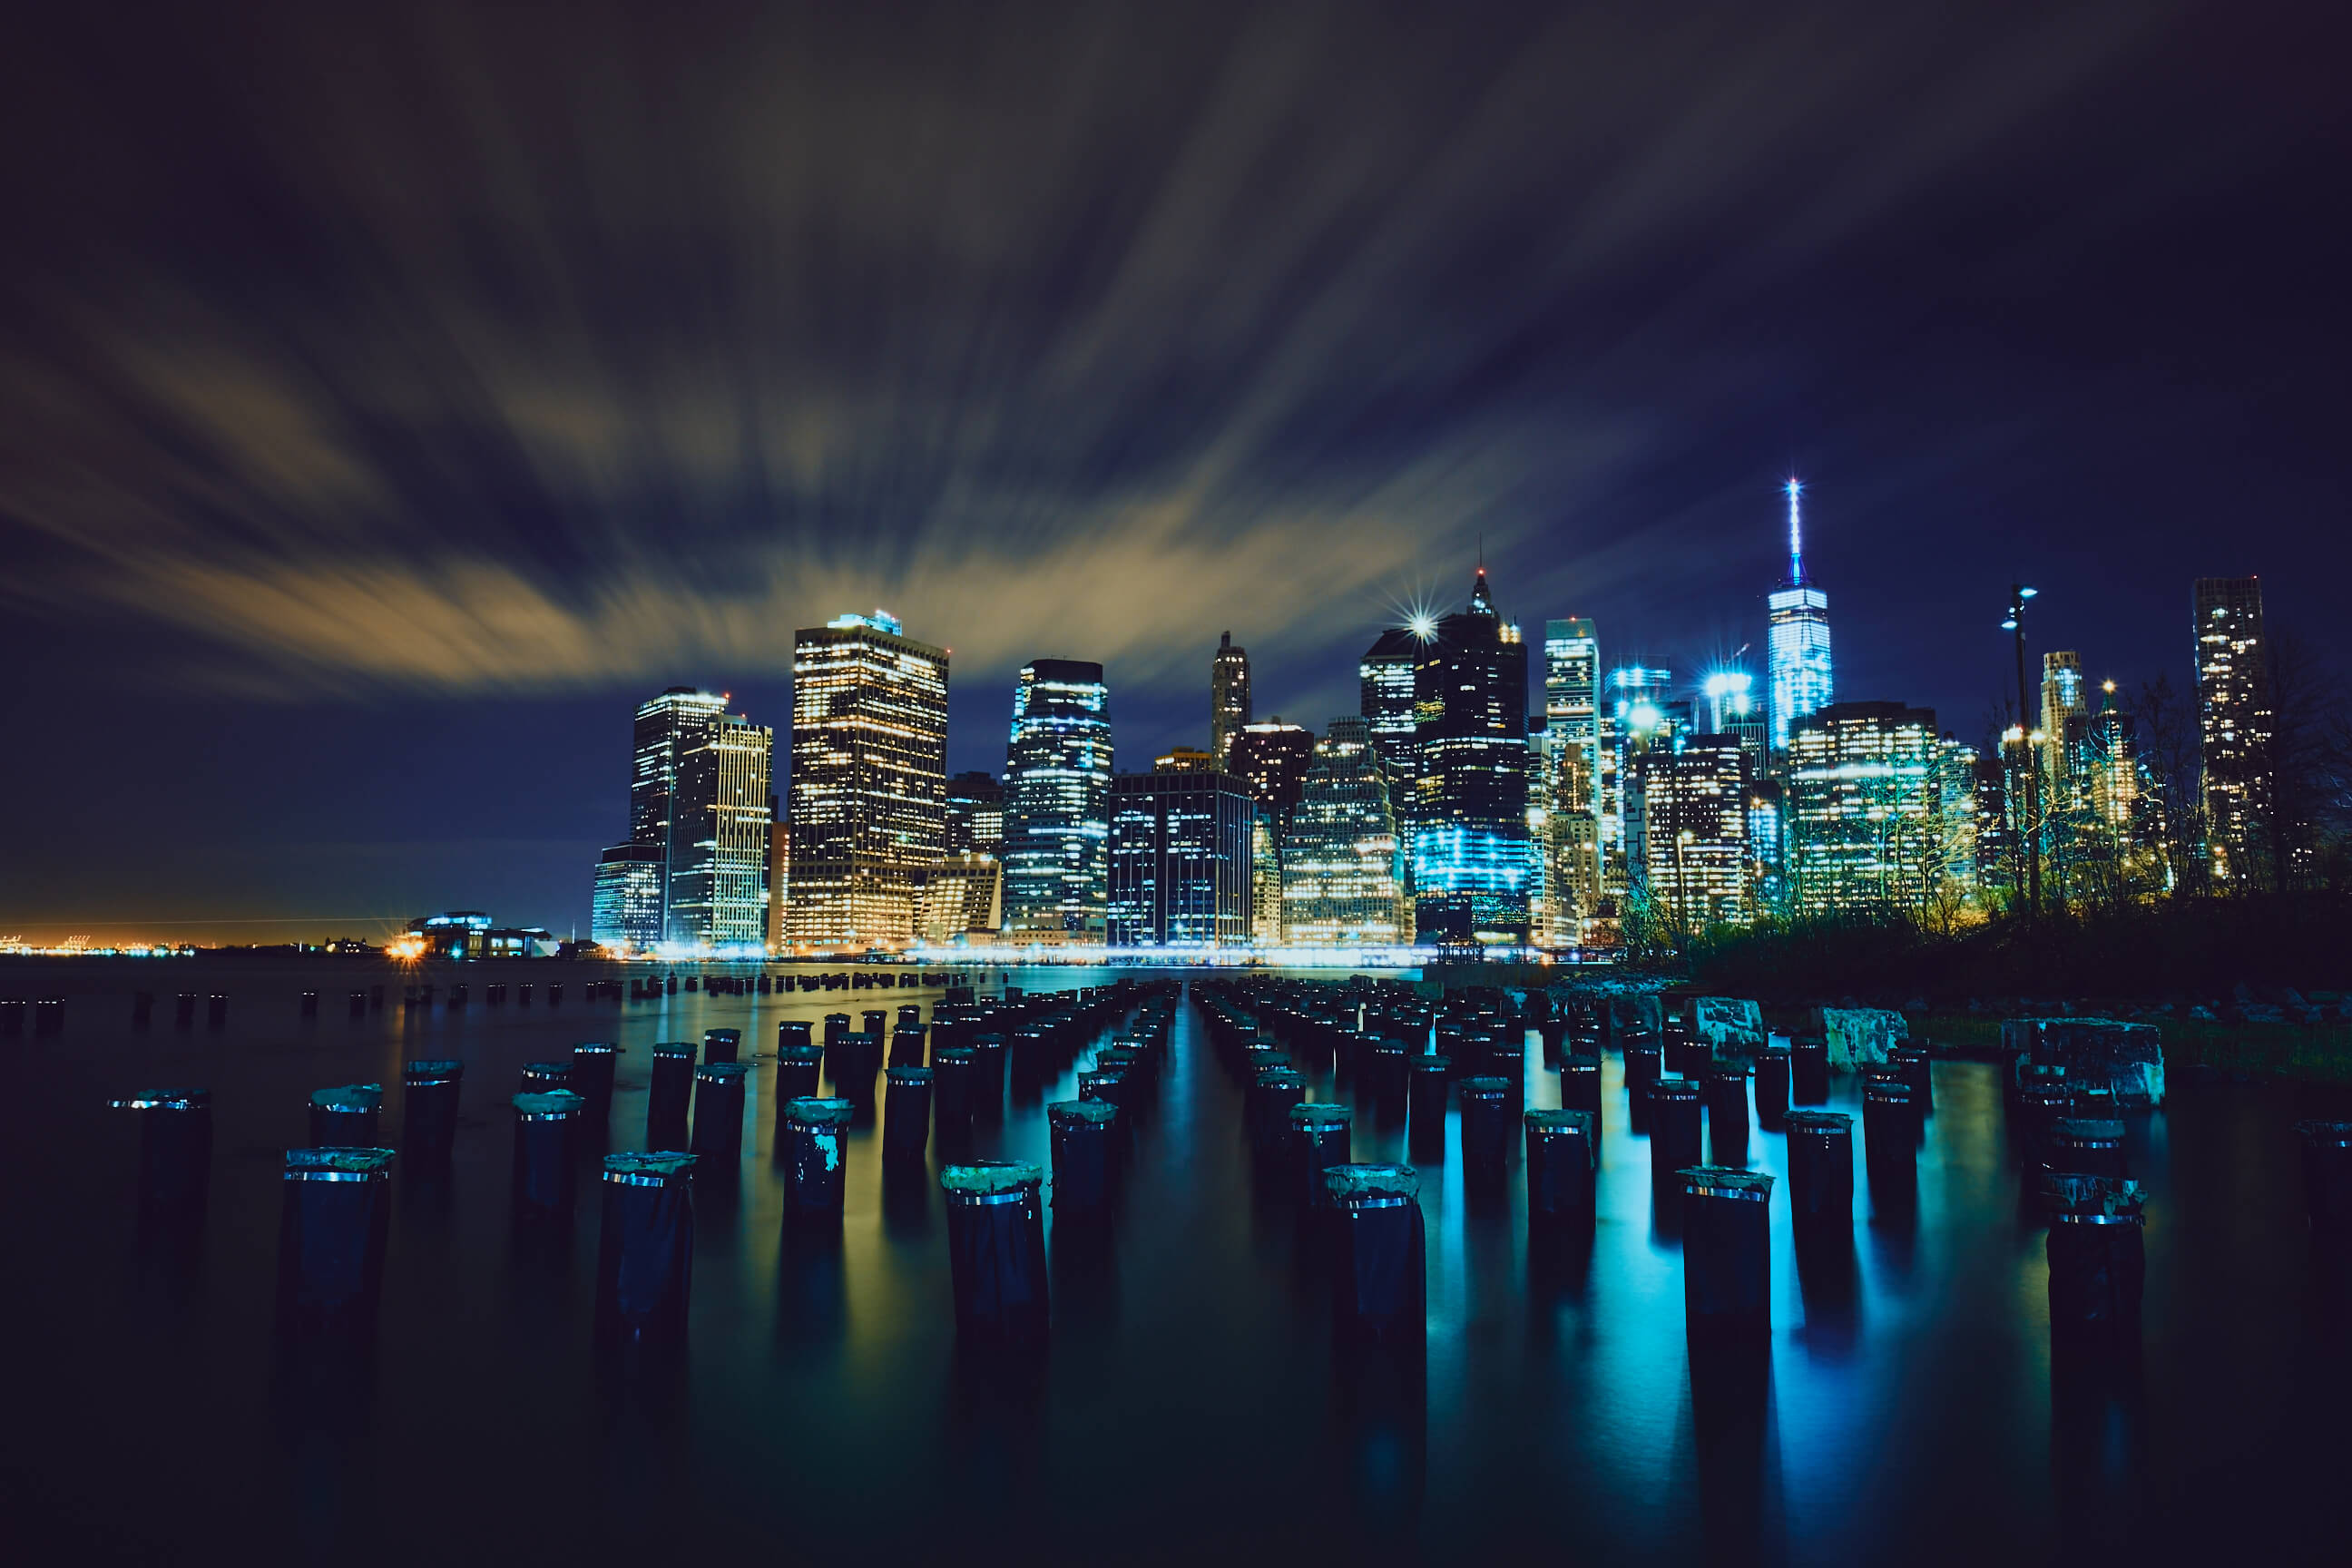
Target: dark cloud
<point x="522" y="349"/>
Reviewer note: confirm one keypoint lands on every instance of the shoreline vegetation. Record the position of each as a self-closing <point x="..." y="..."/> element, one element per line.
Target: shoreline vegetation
<point x="2254" y="986"/>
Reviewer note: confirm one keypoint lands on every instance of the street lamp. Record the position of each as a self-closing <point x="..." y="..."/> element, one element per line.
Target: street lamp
<point x="2030" y="822"/>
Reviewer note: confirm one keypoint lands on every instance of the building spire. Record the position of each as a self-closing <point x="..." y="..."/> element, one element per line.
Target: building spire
<point x="1794" y="489"/>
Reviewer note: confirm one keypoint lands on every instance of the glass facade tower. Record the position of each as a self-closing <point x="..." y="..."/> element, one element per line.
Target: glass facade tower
<point x="1796" y="639"/>
<point x="1058" y="776"/>
<point x="1180" y="860"/>
<point x="1472" y="859"/>
<point x="1572" y="772"/>
<point x="1340" y="858"/>
<point x="1229" y="696"/>
<point x="867" y="804"/>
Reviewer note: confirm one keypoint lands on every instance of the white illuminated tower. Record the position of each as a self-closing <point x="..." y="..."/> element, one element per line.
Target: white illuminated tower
<point x="1797" y="647"/>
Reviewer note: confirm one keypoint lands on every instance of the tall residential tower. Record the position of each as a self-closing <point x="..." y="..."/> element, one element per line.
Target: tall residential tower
<point x="1229" y="696"/>
<point x="2233" y="725"/>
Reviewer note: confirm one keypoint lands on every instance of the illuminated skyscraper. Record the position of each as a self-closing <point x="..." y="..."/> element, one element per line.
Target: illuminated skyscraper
<point x="1180" y="860"/>
<point x="627" y="911"/>
<point x="1797" y="643"/>
<point x="1385" y="678"/>
<point x="2233" y="725"/>
<point x="1058" y="774"/>
<point x="695" y="869"/>
<point x="2062" y="704"/>
<point x="719" y="818"/>
<point x="1471" y="856"/>
<point x="867" y="801"/>
<point x="1273" y="758"/>
<point x="1572" y="773"/>
<point x="1882" y="810"/>
<point x="1694" y="816"/>
<point x="975" y="815"/>
<point x="1229" y="696"/>
<point x="1638" y="716"/>
<point x="1340" y="856"/>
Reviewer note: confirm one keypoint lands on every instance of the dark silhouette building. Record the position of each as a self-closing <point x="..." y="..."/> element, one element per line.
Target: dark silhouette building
<point x="1472" y="857"/>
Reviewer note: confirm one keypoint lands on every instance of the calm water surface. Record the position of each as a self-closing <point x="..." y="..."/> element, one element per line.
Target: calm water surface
<point x="1190" y="1404"/>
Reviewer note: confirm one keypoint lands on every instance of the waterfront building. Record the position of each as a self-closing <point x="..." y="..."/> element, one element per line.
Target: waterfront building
<point x="1229" y="696"/>
<point x="1572" y="776"/>
<point x="1340" y="856"/>
<point x="1691" y="801"/>
<point x="1058" y="777"/>
<point x="976" y="817"/>
<point x="667" y="728"/>
<point x="958" y="896"/>
<point x="1881" y="810"/>
<point x="627" y="909"/>
<point x="2233" y="726"/>
<point x="867" y="801"/>
<point x="1180" y="860"/>
<point x="1796" y="639"/>
<point x="1472" y="860"/>
<point x="719" y="818"/>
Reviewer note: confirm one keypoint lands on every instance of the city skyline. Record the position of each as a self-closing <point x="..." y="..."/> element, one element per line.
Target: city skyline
<point x="1210" y="335"/>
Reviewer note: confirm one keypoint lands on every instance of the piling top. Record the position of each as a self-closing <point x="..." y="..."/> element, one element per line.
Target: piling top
<point x="552" y="1106"/>
<point x="546" y="1069"/>
<point x="650" y="1168"/>
<point x="1724" y="1182"/>
<point x="912" y="1077"/>
<point x="2092" y="1197"/>
<point x="1432" y="1063"/>
<point x="812" y="1112"/>
<point x="1575" y="1063"/>
<point x="734" y="1034"/>
<point x="1836" y="1123"/>
<point x="596" y="1048"/>
<point x="1887" y="1089"/>
<point x="1095" y="1112"/>
<point x="1281" y="1079"/>
<point x="349" y="1097"/>
<point x="675" y="1048"/>
<point x="1561" y="1120"/>
<point x="1728" y="1069"/>
<point x="803" y="1053"/>
<point x="1481" y="1087"/>
<point x="1344" y="1182"/>
<point x="2325" y="1134"/>
<point x="165" y="1099"/>
<point x="989" y="1178"/>
<point x="944" y="1054"/>
<point x="1771" y="1052"/>
<point x="336" y="1164"/>
<point x="720" y="1072"/>
<point x="432" y="1069"/>
<point x="1322" y="1114"/>
<point x="1267" y="1061"/>
<point x="988" y="1042"/>
<point x="1674" y="1088"/>
<point x="2088" y="1129"/>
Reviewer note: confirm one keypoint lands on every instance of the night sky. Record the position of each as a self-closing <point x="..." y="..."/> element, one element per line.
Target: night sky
<point x="387" y="408"/>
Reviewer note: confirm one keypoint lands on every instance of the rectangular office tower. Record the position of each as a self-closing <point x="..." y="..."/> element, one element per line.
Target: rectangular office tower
<point x="1058" y="804"/>
<point x="1696" y="859"/>
<point x="1472" y="859"/>
<point x="719" y="820"/>
<point x="2233" y="726"/>
<point x="1341" y="862"/>
<point x="867" y="807"/>
<point x="1881" y="810"/>
<point x="1180" y="860"/>
<point x="695" y="869"/>
<point x="1571" y="774"/>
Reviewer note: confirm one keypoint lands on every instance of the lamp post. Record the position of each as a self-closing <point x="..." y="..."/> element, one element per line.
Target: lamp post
<point x="2030" y="822"/>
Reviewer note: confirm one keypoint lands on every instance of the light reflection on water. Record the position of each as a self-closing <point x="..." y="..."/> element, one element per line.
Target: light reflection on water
<point x="1190" y="1402"/>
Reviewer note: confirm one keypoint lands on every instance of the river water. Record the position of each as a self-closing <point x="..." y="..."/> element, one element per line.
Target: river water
<point x="1190" y="1402"/>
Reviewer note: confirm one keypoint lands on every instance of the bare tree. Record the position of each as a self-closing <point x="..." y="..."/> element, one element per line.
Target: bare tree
<point x="2166" y="719"/>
